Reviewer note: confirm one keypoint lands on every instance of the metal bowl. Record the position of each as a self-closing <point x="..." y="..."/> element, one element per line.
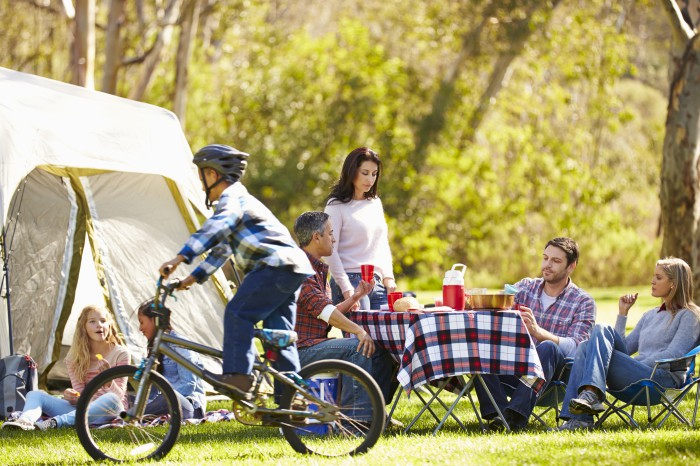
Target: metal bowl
<point x="491" y="301"/>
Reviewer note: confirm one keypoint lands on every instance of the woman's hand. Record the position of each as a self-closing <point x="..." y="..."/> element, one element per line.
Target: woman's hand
<point x="389" y="284"/>
<point x="626" y="302"/>
<point x="71" y="396"/>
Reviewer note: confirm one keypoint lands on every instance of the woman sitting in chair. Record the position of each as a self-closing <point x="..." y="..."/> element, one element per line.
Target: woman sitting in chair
<point x="667" y="331"/>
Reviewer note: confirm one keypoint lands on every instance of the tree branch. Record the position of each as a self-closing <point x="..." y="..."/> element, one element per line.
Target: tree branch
<point x="682" y="32"/>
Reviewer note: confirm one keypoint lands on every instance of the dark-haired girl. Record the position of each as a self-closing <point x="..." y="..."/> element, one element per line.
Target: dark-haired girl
<point x="188" y="387"/>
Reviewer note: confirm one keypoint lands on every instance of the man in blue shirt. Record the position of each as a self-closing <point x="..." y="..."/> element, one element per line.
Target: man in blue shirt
<point x="275" y="266"/>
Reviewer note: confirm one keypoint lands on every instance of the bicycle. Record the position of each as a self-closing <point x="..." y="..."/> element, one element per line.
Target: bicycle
<point x="311" y="415"/>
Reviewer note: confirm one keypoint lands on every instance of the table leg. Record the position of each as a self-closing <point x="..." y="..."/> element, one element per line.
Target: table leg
<point x="466" y="389"/>
<point x="426" y="404"/>
<point x="493" y="402"/>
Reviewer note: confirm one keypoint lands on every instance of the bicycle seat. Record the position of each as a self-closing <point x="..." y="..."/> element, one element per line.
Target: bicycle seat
<point x="279" y="339"/>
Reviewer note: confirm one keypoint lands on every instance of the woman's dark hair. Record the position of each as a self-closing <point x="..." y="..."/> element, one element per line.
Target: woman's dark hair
<point x="343" y="190"/>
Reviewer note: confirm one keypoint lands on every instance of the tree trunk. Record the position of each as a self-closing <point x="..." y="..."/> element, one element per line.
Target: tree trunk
<point x="517" y="32"/>
<point x="184" y="52"/>
<point x="172" y="11"/>
<point x="83" y="58"/>
<point x="680" y="183"/>
<point x="113" y="46"/>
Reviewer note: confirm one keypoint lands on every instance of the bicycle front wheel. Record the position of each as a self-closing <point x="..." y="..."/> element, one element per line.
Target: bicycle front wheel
<point x="145" y="437"/>
<point x="359" y="417"/>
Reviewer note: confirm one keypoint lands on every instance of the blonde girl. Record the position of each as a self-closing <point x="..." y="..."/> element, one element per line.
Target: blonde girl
<point x="97" y="346"/>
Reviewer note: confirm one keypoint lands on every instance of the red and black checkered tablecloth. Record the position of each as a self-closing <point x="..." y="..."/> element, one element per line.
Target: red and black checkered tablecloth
<point x="433" y="346"/>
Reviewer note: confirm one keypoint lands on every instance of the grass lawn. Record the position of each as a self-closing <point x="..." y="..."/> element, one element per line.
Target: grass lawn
<point x="233" y="443"/>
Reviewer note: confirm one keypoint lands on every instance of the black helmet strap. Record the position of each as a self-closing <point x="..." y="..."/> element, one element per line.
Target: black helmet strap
<point x="207" y="188"/>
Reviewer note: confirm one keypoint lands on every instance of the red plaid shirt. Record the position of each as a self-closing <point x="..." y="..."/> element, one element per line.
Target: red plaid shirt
<point x="315" y="295"/>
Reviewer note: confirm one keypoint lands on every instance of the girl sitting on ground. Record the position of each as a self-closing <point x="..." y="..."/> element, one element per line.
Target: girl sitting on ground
<point x="96" y="347"/>
<point x="188" y="387"/>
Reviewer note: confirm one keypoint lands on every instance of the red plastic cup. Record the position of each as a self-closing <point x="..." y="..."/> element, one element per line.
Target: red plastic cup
<point x="367" y="272"/>
<point x="392" y="297"/>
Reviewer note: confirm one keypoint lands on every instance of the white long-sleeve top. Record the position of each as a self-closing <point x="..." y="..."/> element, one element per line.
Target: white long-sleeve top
<point x="362" y="237"/>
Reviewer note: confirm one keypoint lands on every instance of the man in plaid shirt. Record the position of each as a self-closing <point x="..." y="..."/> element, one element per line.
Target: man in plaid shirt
<point x="274" y="265"/>
<point x="316" y="313"/>
<point x="559" y="315"/>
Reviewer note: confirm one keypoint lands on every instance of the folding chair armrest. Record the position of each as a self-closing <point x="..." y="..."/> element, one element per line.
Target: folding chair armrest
<point x="687" y="355"/>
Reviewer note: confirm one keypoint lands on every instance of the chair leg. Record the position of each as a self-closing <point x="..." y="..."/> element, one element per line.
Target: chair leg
<point x="397" y="397"/>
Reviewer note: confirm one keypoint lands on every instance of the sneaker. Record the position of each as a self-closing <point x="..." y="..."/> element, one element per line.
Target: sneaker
<point x="586" y="403"/>
<point x="573" y="425"/>
<point x="47" y="424"/>
<point x="18" y="424"/>
<point x="237" y="385"/>
<point x="516" y="422"/>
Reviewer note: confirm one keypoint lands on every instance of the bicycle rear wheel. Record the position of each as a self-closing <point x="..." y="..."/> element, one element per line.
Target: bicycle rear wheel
<point x="359" y="419"/>
<point x="149" y="436"/>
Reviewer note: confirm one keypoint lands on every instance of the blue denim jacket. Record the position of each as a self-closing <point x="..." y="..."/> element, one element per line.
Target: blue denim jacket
<point x="183" y="381"/>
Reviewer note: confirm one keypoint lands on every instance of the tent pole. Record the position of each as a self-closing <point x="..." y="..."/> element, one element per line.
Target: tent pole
<point x="6" y="281"/>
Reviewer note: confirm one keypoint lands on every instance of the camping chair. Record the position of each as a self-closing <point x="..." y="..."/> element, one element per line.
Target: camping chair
<point x="648" y="393"/>
<point x="553" y="395"/>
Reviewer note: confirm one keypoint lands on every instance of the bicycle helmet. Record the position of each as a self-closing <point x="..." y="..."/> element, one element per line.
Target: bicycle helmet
<point x="225" y="160"/>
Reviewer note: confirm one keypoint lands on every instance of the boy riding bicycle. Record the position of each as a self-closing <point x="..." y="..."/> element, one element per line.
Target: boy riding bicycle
<point x="275" y="267"/>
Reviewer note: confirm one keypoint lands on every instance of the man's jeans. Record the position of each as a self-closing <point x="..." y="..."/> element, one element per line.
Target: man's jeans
<point x="267" y="294"/>
<point x="522" y="397"/>
<point x="103" y="410"/>
<point x="380" y="366"/>
<point x="373" y="300"/>
<point x="603" y="361"/>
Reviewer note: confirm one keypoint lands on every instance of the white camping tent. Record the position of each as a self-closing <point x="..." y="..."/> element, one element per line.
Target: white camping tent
<point x="96" y="192"/>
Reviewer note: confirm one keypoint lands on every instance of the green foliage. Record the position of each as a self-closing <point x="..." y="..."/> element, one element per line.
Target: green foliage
<point x="570" y="145"/>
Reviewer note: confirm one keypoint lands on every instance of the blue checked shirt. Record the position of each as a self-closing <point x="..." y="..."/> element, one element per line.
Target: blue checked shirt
<point x="243" y="226"/>
<point x="571" y="317"/>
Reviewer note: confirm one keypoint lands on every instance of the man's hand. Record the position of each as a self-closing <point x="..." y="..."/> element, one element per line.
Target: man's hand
<point x="626" y="302"/>
<point x="366" y="344"/>
<point x="363" y="289"/>
<point x="169" y="267"/>
<point x="530" y="322"/>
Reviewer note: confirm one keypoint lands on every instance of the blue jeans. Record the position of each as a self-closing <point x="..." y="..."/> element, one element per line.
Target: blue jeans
<point x="159" y="405"/>
<point x="380" y="366"/>
<point x="373" y="300"/>
<point x="268" y="294"/>
<point x="102" y="410"/>
<point x="522" y="397"/>
<point x="603" y="361"/>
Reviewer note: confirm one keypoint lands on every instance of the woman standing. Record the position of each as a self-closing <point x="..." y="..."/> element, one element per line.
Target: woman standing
<point x="667" y="331"/>
<point x="360" y="229"/>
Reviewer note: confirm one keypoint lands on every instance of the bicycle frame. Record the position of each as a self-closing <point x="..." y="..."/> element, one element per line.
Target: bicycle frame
<point x="325" y="412"/>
